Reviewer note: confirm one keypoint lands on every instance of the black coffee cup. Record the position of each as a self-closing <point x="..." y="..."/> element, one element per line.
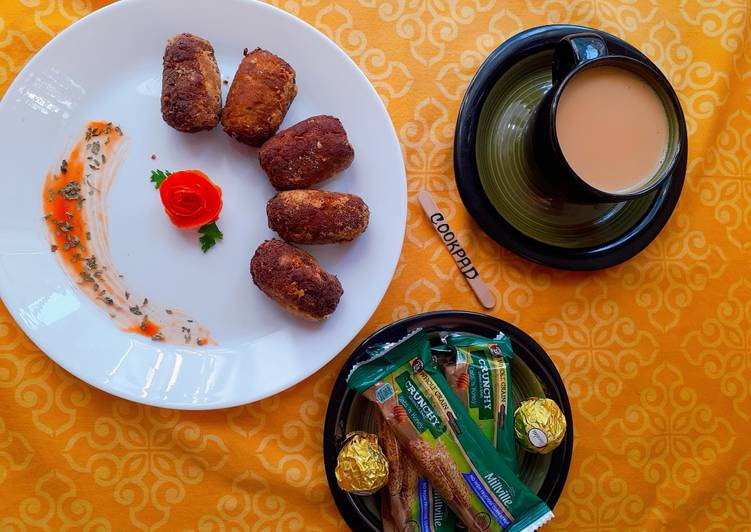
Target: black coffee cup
<point x="574" y="54"/>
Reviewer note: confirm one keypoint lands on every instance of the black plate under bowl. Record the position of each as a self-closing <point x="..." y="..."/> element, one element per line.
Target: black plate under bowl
<point x="585" y="251"/>
<point x="347" y="410"/>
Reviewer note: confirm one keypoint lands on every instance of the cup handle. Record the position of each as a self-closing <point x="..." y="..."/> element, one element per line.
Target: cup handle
<point x="574" y="49"/>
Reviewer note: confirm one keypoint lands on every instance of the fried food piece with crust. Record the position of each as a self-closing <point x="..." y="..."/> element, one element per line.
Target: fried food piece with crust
<point x="259" y="97"/>
<point x="317" y="216"/>
<point x="191" y="84"/>
<point x="295" y="280"/>
<point x="307" y="153"/>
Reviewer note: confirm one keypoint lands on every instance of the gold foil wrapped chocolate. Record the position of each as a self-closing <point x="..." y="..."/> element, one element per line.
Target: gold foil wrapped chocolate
<point x="361" y="467"/>
<point x="539" y="425"/>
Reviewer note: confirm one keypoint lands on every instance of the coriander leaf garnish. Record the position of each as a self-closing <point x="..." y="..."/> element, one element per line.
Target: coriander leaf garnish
<point x="158" y="177"/>
<point x="210" y="234"/>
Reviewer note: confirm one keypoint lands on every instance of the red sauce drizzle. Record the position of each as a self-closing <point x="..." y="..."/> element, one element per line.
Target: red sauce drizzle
<point x="68" y="224"/>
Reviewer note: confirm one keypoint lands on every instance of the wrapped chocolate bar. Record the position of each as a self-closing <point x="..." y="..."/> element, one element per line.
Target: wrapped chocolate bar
<point x="432" y="424"/>
<point x="480" y="375"/>
<point x="413" y="505"/>
<point x="361" y="467"/>
<point x="539" y="425"/>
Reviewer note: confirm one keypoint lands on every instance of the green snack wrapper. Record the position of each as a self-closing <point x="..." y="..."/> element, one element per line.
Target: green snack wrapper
<point x="413" y="504"/>
<point x="480" y="376"/>
<point x="432" y="424"/>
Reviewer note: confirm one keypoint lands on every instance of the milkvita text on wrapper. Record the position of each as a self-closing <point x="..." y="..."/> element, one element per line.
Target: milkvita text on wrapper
<point x="431" y="422"/>
<point x="479" y="372"/>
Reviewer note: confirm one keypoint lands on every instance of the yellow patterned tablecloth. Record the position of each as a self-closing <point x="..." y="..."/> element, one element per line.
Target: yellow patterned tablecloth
<point x="655" y="353"/>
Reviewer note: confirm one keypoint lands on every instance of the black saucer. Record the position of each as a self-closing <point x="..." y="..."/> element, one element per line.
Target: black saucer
<point x="499" y="190"/>
<point x="532" y="374"/>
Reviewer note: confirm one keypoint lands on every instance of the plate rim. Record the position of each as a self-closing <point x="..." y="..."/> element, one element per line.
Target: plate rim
<point x="473" y="196"/>
<point x="398" y="211"/>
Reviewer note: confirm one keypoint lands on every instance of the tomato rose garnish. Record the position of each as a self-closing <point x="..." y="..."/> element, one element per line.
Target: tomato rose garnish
<point x="190" y="198"/>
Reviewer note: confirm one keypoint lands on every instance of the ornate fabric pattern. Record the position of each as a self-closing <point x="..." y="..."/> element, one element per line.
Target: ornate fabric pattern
<point x="655" y="353"/>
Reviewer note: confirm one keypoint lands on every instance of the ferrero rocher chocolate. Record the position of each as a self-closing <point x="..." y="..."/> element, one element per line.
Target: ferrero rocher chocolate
<point x="361" y="467"/>
<point x="539" y="425"/>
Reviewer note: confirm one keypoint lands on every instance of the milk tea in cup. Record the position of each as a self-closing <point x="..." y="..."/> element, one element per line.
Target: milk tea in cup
<point x="612" y="128"/>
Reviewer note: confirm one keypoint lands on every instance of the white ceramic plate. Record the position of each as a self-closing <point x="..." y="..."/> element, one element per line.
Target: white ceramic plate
<point x="108" y="66"/>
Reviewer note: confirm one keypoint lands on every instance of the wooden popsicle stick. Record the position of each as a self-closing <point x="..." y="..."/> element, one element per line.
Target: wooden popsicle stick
<point x="461" y="259"/>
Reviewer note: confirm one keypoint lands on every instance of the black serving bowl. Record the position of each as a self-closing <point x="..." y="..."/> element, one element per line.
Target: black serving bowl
<point x="532" y="373"/>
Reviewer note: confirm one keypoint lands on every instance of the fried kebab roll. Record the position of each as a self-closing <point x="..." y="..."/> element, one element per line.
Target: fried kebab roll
<point x="317" y="216"/>
<point x="295" y="280"/>
<point x="191" y="84"/>
<point x="259" y="97"/>
<point x="307" y="153"/>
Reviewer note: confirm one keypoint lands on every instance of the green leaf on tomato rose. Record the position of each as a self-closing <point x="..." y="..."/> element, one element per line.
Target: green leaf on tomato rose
<point x="210" y="234"/>
<point x="158" y="177"/>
